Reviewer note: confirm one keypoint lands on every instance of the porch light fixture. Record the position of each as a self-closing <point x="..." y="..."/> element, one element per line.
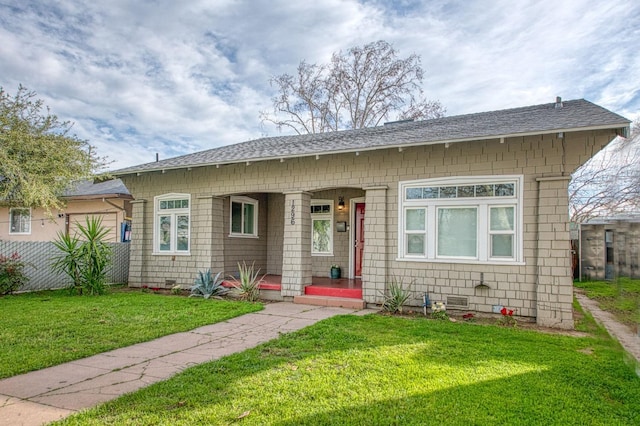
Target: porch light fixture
<point x="340" y="202"/>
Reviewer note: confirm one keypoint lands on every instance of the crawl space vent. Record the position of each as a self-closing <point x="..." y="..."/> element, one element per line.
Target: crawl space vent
<point x="453" y="301"/>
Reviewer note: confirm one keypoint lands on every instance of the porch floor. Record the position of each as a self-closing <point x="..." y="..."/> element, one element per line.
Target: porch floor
<point x="320" y="286"/>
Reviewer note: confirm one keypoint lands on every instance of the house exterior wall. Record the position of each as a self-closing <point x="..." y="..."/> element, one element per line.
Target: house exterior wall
<point x="249" y="249"/>
<point x="538" y="287"/>
<point x="44" y="228"/>
<point x="625" y="250"/>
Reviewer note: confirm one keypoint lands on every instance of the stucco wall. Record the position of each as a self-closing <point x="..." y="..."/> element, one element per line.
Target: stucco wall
<point x="545" y="161"/>
<point x="45" y="228"/>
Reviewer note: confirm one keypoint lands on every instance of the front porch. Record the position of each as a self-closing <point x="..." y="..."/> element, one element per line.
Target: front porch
<point x="341" y="292"/>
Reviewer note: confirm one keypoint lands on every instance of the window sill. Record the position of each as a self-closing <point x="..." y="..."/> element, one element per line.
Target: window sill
<point x="171" y="253"/>
<point x="255" y="237"/>
<point x="19" y="233"/>
<point x="322" y="254"/>
<point x="462" y="261"/>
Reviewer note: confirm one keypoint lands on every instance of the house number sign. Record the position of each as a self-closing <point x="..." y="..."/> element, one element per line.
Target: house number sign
<point x="293" y="212"/>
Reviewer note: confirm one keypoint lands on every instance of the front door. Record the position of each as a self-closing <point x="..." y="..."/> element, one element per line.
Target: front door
<point x="359" y="239"/>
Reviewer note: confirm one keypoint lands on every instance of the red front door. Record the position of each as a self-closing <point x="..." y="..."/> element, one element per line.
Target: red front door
<point x="359" y="239"/>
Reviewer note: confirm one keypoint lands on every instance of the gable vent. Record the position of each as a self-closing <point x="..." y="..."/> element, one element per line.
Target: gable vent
<point x="457" y="301"/>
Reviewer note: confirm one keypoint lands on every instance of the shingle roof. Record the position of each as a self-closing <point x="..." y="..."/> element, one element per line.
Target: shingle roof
<point x="88" y="189"/>
<point x="546" y="118"/>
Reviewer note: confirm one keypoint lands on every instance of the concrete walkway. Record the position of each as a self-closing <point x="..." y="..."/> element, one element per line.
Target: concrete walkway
<point x="623" y="334"/>
<point x="53" y="393"/>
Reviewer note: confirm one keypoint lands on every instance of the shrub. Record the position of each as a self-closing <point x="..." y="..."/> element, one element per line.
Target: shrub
<point x="248" y="284"/>
<point x="396" y="295"/>
<point x="206" y="285"/>
<point x="85" y="261"/>
<point x="12" y="275"/>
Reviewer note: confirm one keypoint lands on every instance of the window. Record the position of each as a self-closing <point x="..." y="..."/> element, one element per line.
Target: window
<point x="244" y="217"/>
<point x="20" y="221"/>
<point x="322" y="227"/>
<point x="172" y="224"/>
<point x="465" y="219"/>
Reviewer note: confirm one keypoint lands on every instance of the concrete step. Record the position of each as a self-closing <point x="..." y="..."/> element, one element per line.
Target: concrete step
<point x="335" y="302"/>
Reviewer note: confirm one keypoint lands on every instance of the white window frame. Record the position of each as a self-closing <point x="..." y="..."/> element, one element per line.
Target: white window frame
<point x="28" y="222"/>
<point x="243" y="201"/>
<point x="173" y="213"/>
<point x="483" y="206"/>
<point x="323" y="216"/>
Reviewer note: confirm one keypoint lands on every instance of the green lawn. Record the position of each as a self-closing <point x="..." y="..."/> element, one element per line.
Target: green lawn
<point x="383" y="370"/>
<point x="48" y="328"/>
<point x="620" y="297"/>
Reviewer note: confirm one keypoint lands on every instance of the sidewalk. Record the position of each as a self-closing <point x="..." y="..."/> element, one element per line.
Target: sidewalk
<point x="53" y="393"/>
<point x="629" y="341"/>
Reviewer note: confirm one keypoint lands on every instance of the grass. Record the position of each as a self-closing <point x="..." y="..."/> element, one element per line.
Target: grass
<point x="376" y="369"/>
<point x="48" y="328"/>
<point x="620" y="297"/>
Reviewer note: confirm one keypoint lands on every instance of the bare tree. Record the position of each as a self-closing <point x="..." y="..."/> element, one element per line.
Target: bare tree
<point x="358" y="88"/>
<point x="609" y="183"/>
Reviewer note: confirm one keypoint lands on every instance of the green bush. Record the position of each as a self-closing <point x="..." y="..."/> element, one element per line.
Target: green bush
<point x="85" y="260"/>
<point x="12" y="275"/>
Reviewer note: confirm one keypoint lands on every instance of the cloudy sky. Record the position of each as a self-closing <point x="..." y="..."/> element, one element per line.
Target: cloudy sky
<point x="175" y="77"/>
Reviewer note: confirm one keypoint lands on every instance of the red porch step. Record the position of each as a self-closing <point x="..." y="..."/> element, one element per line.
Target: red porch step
<point x="318" y="290"/>
<point x="335" y="302"/>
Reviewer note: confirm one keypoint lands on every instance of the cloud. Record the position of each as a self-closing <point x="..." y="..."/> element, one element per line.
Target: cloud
<point x="173" y="78"/>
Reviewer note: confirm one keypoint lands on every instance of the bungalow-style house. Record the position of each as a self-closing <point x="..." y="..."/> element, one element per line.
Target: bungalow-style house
<point x="471" y="209"/>
<point x="609" y="247"/>
<point x="108" y="200"/>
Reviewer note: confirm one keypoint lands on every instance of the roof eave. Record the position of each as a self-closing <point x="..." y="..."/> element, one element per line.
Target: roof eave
<point x="621" y="128"/>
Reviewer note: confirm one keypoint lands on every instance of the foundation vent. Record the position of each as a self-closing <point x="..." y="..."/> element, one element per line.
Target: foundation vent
<point x="169" y="283"/>
<point x="454" y="301"/>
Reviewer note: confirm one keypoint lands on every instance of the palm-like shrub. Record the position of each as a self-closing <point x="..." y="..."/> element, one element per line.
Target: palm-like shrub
<point x="85" y="258"/>
<point x="206" y="285"/>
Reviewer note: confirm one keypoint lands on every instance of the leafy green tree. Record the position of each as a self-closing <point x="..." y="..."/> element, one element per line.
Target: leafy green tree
<point x="39" y="158"/>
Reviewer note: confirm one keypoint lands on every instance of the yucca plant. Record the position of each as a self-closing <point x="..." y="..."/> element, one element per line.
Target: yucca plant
<point x="85" y="260"/>
<point x="247" y="284"/>
<point x="396" y="295"/>
<point x="206" y="285"/>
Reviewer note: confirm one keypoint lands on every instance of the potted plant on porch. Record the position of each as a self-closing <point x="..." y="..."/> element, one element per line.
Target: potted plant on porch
<point x="335" y="272"/>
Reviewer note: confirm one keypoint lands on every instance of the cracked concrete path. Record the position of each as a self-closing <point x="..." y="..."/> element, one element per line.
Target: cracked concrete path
<point x="53" y="393"/>
<point x="623" y="334"/>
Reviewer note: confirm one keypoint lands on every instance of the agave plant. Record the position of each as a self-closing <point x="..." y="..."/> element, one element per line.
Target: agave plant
<point x="248" y="284"/>
<point x="396" y="296"/>
<point x="206" y="285"/>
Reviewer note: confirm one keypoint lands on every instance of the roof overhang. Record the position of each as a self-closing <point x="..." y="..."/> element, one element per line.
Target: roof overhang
<point x="621" y="129"/>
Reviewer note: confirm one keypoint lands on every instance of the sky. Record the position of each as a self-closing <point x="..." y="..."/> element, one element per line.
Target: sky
<point x="142" y="77"/>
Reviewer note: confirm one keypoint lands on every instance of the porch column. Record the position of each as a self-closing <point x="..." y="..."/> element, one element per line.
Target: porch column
<point x="554" y="285"/>
<point x="207" y="246"/>
<point x="136" y="246"/>
<point x="296" y="247"/>
<point x="374" y="258"/>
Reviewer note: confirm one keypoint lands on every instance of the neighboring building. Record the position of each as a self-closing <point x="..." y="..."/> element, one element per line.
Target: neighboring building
<point x="610" y="248"/>
<point x="472" y="208"/>
<point x="109" y="201"/>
